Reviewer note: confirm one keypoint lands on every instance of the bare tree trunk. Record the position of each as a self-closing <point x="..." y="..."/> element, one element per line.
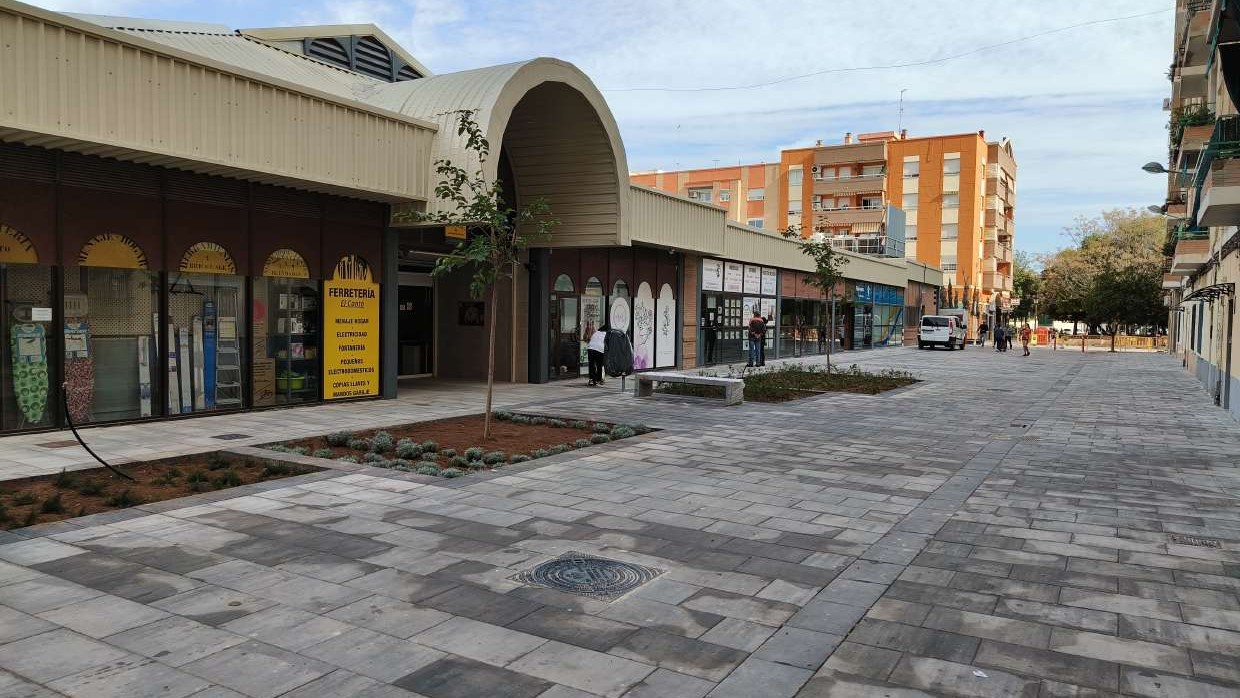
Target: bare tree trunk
<point x="486" y="420"/>
<point x="1114" y="331"/>
<point x="832" y="344"/>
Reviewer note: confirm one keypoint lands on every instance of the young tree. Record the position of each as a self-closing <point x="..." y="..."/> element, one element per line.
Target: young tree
<point x="1126" y="296"/>
<point x="1026" y="285"/>
<point x="497" y="232"/>
<point x="827" y="275"/>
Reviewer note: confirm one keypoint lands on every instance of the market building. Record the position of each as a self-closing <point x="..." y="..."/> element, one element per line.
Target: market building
<point x="196" y="219"/>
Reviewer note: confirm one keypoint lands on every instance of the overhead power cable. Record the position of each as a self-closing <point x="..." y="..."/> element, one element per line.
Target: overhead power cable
<point x="891" y="66"/>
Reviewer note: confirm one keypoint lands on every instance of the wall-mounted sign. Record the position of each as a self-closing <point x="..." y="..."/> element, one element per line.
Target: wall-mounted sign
<point x="712" y="275"/>
<point x="665" y="327"/>
<point x="350" y="331"/>
<point x="286" y="264"/>
<point x="16" y="248"/>
<point x="732" y="277"/>
<point x="770" y="281"/>
<point x="643" y="327"/>
<point x="207" y="258"/>
<point x="753" y="279"/>
<point x="621" y="315"/>
<point x="455" y="232"/>
<point x="112" y="250"/>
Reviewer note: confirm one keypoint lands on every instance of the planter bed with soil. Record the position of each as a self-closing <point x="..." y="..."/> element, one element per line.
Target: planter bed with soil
<point x="795" y="382"/>
<point x="453" y="447"/>
<point x="48" y="498"/>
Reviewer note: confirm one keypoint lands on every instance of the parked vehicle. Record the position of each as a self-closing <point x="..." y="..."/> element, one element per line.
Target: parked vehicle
<point x="941" y="331"/>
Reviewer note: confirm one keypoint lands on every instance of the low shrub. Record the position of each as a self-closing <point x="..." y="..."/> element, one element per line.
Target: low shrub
<point x="300" y="450"/>
<point x="124" y="498"/>
<point x="409" y="449"/>
<point x="641" y="429"/>
<point x="578" y="424"/>
<point x="52" y="505"/>
<point x="427" y="470"/>
<point x="400" y="463"/>
<point x="521" y="458"/>
<point x="581" y="443"/>
<point x="601" y="428"/>
<point x="600" y="439"/>
<point x="372" y="457"/>
<point x="90" y="488"/>
<point x="359" y="444"/>
<point x="23" y="498"/>
<point x="278" y="448"/>
<point x="65" y="481"/>
<point x="558" y="423"/>
<point x="538" y="421"/>
<point x="474" y="453"/>
<point x="521" y="419"/>
<point x="430" y="456"/>
<point x="502" y="415"/>
<point x="216" y="461"/>
<point x="429" y="446"/>
<point x="382" y="442"/>
<point x="495" y="458"/>
<point x="273" y="468"/>
<point x="450" y="473"/>
<point x="540" y="453"/>
<point x="347" y="459"/>
<point x="559" y="448"/>
<point x="339" y="438"/>
<point x="447" y="452"/>
<point x="323" y="453"/>
<point x="229" y="478"/>
<point x="622" y="432"/>
<point x="32" y="518"/>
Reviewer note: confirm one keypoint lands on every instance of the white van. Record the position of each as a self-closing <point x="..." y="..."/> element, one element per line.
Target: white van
<point x="941" y="330"/>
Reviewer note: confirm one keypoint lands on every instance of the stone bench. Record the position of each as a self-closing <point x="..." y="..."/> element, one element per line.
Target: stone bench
<point x="733" y="388"/>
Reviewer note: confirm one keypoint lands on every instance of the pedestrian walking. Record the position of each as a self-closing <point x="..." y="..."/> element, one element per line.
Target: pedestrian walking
<point x="982" y="330"/>
<point x="757" y="337"/>
<point x="1054" y="339"/>
<point x="999" y="338"/>
<point x="1025" y="334"/>
<point x="594" y="354"/>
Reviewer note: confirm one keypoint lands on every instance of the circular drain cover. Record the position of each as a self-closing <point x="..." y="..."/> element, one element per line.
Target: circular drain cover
<point x="587" y="575"/>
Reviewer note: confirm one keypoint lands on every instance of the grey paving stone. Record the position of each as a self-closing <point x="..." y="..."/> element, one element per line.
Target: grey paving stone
<point x="17" y="687"/>
<point x="102" y="615"/>
<point x="799" y="648"/>
<point x="288" y="628"/>
<point x="660" y="616"/>
<point x="457" y="677"/>
<point x="44" y="594"/>
<point x="919" y="641"/>
<point x="960" y="680"/>
<point x="680" y="654"/>
<point x="15" y="625"/>
<point x="829" y="684"/>
<point x="1016" y="632"/>
<point x="401" y="585"/>
<point x="738" y="634"/>
<point x="1056" y="666"/>
<point x="780" y="590"/>
<point x="574" y="628"/>
<point x="587" y="670"/>
<point x="666" y="590"/>
<point x="827" y="617"/>
<point x="1120" y="650"/>
<point x="898" y="611"/>
<point x="1083" y="619"/>
<point x="212" y="605"/>
<point x="373" y="654"/>
<point x="37" y="550"/>
<point x="862" y="660"/>
<point x="480" y="604"/>
<point x="739" y="606"/>
<point x="57" y="653"/>
<point x="257" y="669"/>
<point x="1154" y="684"/>
<point x="669" y="684"/>
<point x="759" y="677"/>
<point x="174" y="640"/>
<point x="1119" y="603"/>
<point x="143" y="679"/>
<point x="341" y="683"/>
<point x="479" y="641"/>
<point x="387" y="615"/>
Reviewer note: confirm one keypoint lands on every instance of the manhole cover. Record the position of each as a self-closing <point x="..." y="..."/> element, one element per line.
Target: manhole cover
<point x="1194" y="540"/>
<point x="586" y="575"/>
<point x="230" y="437"/>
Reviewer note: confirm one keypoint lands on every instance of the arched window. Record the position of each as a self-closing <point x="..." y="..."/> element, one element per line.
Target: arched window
<point x="563" y="284"/>
<point x="594" y="287"/>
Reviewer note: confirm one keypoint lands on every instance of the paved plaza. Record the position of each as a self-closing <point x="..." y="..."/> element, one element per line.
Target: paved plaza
<point x="1062" y="525"/>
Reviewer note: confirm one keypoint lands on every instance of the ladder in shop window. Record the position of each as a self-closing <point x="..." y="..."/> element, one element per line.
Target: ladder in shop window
<point x="228" y="354"/>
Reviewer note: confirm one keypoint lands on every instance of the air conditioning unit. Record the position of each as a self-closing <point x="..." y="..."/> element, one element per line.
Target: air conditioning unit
<point x="817" y="206"/>
<point x="814" y="169"/>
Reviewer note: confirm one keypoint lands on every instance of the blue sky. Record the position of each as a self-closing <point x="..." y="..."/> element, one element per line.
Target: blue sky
<point x="1082" y="106"/>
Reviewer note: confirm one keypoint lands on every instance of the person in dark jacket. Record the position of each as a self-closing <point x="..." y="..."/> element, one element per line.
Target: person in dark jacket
<point x="597" y="345"/>
<point x="757" y="338"/>
<point x="617" y="354"/>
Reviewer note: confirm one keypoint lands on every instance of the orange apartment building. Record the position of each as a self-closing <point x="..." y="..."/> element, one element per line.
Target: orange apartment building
<point x="952" y="197"/>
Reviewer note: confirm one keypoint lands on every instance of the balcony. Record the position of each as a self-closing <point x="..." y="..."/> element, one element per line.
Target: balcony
<point x="1190" y="255"/>
<point x="1219" y="197"/>
<point x="857" y="184"/>
<point x="996" y="281"/>
<point x="878" y="245"/>
<point x="997" y="251"/>
<point x="849" y="216"/>
<point x="1172" y="281"/>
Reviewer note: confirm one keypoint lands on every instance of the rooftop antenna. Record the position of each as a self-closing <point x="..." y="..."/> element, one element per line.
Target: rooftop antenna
<point x="900" y="118"/>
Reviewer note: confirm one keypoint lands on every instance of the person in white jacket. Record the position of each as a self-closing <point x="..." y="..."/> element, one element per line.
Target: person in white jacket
<point x="595" y="349"/>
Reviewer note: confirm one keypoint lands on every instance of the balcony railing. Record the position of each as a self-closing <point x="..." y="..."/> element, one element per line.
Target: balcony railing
<point x="878" y="245"/>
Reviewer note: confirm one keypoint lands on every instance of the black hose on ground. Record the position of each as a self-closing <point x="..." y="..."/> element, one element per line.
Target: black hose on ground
<point x="64" y="401"/>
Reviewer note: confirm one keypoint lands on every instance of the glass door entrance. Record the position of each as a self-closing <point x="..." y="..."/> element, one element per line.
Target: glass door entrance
<point x="416" y="325"/>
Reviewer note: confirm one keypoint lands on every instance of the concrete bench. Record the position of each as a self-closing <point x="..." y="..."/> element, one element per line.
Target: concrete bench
<point x="733" y="388"/>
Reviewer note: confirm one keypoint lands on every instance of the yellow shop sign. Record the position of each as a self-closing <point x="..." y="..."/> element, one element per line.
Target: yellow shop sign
<point x="350" y="331"/>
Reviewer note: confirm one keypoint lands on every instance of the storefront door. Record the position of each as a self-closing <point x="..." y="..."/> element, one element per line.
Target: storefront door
<point x="416" y="325"/>
<point x="565" y="339"/>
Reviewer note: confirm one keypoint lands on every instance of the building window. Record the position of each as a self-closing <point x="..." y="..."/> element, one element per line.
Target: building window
<point x="909" y="202"/>
<point x="725" y="194"/>
<point x="844" y="172"/>
<point x="951" y="231"/>
<point x="951" y="200"/>
<point x="701" y="193"/>
<point x="951" y="166"/>
<point x="911" y="168"/>
<point x="843" y="203"/>
<point x="910" y="232"/>
<point x="948" y="262"/>
<point x="756" y="194"/>
<point x="794" y="177"/>
<point x="755" y="222"/>
<point x="794" y="206"/>
<point x="872" y="171"/>
<point x="871" y="202"/>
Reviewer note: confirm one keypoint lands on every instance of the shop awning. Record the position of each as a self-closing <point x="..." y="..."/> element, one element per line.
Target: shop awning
<point x="1211" y="293"/>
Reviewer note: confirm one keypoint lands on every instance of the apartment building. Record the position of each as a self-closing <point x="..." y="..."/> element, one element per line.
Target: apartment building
<point x="947" y="201"/>
<point x="1203" y="196"/>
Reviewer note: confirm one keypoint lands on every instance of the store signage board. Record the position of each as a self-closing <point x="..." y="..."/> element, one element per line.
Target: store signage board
<point x="712" y="275"/>
<point x="455" y="232"/>
<point x="112" y="250"/>
<point x="286" y="264"/>
<point x="16" y="248"/>
<point x="732" y="277"/>
<point x="753" y="279"/>
<point x="350" y="331"/>
<point x="40" y="314"/>
<point x="207" y="258"/>
<point x="770" y="281"/>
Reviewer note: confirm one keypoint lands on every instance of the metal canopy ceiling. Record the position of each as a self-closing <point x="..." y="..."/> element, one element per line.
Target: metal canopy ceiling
<point x="1211" y="293"/>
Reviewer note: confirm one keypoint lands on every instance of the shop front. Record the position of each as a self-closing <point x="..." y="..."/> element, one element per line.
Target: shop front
<point x="730" y="292"/>
<point x="874" y="315"/>
<point x="154" y="293"/>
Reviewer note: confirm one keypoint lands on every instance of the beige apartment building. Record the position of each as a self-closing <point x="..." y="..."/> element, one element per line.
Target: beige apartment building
<point x="947" y="201"/>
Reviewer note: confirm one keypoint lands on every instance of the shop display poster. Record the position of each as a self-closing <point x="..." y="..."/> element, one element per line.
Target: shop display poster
<point x="712" y="275"/>
<point x="770" y="281"/>
<point x="753" y="279"/>
<point x="351" y="331"/>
